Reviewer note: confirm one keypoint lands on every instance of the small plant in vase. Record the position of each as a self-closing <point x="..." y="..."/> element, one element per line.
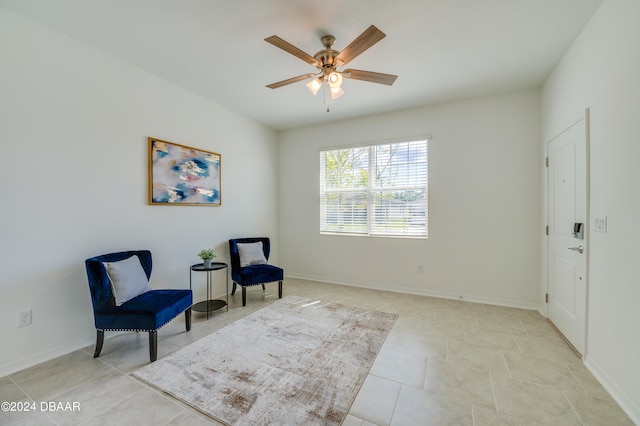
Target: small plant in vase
<point x="207" y="255"/>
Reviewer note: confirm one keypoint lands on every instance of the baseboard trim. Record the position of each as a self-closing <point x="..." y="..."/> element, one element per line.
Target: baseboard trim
<point x="631" y="408"/>
<point x="430" y="293"/>
<point x="48" y="355"/>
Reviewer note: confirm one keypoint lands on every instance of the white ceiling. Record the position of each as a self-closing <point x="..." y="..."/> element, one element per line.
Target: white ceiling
<point x="441" y="50"/>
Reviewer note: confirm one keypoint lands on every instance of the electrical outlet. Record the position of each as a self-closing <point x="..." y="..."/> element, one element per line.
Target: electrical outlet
<point x="24" y="318"/>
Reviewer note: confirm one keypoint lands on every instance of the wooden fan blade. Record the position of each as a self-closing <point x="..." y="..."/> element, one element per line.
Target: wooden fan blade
<point x="374" y="77"/>
<point x="368" y="38"/>
<point x="289" y="81"/>
<point x="290" y="48"/>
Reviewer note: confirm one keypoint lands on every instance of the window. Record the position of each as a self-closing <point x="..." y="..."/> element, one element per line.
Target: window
<point x="376" y="190"/>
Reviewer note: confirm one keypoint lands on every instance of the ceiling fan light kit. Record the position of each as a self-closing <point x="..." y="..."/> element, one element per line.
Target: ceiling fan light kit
<point x="328" y="62"/>
<point x="315" y="85"/>
<point x="336" y="92"/>
<point x="335" y="80"/>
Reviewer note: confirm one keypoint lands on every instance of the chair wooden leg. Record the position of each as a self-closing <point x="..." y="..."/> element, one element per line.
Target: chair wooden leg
<point x="244" y="296"/>
<point x="233" y="290"/>
<point x="187" y="318"/>
<point x="280" y="289"/>
<point x="99" y="342"/>
<point x="153" y="345"/>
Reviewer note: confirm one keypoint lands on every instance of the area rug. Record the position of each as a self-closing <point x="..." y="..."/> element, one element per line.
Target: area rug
<point x="293" y="362"/>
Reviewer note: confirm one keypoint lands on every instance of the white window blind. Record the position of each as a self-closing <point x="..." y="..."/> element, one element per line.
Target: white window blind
<point x="375" y="190"/>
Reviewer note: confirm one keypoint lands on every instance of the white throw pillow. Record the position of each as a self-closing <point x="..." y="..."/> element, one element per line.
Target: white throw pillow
<point x="251" y="254"/>
<point x="128" y="279"/>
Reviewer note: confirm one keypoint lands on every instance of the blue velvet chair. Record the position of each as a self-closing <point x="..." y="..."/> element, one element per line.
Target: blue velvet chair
<point x="146" y="312"/>
<point x="253" y="274"/>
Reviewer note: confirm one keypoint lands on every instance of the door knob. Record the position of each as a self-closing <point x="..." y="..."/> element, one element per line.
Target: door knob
<point x="579" y="249"/>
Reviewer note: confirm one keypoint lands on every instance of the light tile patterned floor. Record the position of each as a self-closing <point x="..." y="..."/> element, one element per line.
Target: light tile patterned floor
<point x="445" y="362"/>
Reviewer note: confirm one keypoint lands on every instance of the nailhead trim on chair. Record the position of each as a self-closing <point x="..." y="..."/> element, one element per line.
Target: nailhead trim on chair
<point x="135" y="329"/>
<point x="251" y="285"/>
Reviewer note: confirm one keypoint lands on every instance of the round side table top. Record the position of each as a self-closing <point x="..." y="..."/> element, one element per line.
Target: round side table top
<point x="214" y="266"/>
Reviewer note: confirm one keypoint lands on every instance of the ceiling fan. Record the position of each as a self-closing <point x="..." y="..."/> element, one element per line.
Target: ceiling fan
<point x="329" y="62"/>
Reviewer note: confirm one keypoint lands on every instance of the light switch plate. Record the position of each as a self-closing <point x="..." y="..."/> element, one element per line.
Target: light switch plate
<point x="601" y="224"/>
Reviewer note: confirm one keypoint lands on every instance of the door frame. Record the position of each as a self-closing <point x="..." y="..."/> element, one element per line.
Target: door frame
<point x="587" y="240"/>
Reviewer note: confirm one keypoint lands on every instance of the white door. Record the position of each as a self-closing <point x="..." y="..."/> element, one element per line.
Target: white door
<point x="567" y="251"/>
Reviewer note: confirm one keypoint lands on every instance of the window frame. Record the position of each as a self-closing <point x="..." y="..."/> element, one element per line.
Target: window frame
<point x="370" y="228"/>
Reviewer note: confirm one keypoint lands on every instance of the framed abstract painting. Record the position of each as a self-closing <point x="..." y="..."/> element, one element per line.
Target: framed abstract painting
<point x="183" y="176"/>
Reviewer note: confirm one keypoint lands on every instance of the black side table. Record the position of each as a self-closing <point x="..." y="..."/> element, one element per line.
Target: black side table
<point x="209" y="305"/>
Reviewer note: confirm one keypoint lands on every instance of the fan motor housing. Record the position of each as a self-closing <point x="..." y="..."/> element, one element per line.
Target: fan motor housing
<point x="327" y="55"/>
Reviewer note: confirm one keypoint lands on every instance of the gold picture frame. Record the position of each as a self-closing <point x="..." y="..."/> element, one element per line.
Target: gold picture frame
<point x="181" y="175"/>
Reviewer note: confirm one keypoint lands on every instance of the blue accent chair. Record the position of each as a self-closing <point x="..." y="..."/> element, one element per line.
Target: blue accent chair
<point x="146" y="312"/>
<point x="253" y="274"/>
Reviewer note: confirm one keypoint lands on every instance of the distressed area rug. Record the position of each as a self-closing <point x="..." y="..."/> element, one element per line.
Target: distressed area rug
<point x="293" y="362"/>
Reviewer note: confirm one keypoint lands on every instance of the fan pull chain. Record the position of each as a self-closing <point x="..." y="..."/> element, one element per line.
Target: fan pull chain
<point x="327" y="96"/>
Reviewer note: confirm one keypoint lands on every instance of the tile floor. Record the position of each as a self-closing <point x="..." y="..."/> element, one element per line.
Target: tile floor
<point x="445" y="362"/>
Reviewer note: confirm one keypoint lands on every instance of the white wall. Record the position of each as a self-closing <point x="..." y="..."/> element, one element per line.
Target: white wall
<point x="484" y="203"/>
<point x="602" y="71"/>
<point x="73" y="141"/>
